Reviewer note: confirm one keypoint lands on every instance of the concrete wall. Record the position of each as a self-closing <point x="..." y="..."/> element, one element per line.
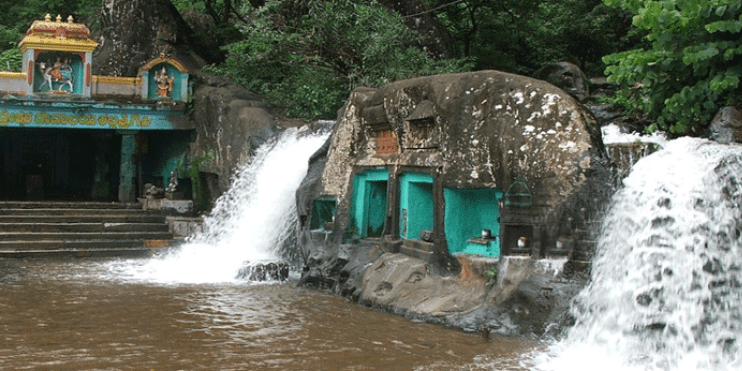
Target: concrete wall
<point x="14" y="82"/>
<point x="121" y="86"/>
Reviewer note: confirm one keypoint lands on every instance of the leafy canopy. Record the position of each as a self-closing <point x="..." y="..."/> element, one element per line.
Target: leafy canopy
<point x="309" y="64"/>
<point x="522" y="36"/>
<point x="690" y="66"/>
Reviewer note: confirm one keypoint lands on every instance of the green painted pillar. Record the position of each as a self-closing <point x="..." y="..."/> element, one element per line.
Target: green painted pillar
<point x="128" y="170"/>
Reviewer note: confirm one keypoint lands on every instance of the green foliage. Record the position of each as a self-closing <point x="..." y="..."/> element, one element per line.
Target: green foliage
<point x="10" y="55"/>
<point x="690" y="67"/>
<point x="491" y="276"/>
<point x="309" y="66"/>
<point x="11" y="60"/>
<point x="522" y="36"/>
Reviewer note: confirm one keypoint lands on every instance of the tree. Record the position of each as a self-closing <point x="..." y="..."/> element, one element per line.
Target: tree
<point x="523" y="36"/>
<point x="690" y="66"/>
<point x="306" y="55"/>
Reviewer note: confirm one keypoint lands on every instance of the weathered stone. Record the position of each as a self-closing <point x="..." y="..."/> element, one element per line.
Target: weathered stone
<point x="726" y="126"/>
<point x="491" y="127"/>
<point x="566" y="76"/>
<point x="230" y="121"/>
<point x="136" y="31"/>
<point x="405" y="284"/>
<point x="471" y="131"/>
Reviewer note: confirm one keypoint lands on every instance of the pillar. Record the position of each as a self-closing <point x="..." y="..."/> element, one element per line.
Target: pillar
<point x="128" y="170"/>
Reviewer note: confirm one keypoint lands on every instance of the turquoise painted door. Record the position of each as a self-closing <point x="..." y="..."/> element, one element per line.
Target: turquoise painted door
<point x="376" y="198"/>
<point x="369" y="203"/>
<point x="415" y="204"/>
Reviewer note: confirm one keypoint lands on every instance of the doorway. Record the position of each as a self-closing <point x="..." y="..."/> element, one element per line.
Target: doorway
<point x="58" y="165"/>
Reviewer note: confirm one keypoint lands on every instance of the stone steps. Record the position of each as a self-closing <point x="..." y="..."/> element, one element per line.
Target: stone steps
<point x="68" y="205"/>
<point x="83" y="227"/>
<point x="80" y="229"/>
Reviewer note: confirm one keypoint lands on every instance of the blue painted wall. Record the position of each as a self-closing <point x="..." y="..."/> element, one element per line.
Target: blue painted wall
<point x="89" y="115"/>
<point x="166" y="151"/>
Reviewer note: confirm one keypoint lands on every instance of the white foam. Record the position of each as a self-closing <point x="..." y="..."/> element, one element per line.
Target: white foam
<point x="248" y="223"/>
<point x="664" y="292"/>
<point x="612" y="135"/>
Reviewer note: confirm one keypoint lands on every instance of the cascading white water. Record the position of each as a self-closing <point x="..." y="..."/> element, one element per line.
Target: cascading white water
<point x="248" y="223"/>
<point x="665" y="291"/>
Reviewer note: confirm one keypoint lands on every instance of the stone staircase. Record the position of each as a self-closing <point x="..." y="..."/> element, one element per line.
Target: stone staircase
<point x="80" y="229"/>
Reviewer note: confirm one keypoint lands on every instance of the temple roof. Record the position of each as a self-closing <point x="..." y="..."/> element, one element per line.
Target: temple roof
<point x="57" y="35"/>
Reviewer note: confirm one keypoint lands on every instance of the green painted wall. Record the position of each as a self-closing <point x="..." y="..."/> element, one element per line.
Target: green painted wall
<point x="415" y="204"/>
<point x="376" y="200"/>
<point x="369" y="203"/>
<point x="467" y="212"/>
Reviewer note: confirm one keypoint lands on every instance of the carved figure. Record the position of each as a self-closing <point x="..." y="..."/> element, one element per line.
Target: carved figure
<point x="152" y="191"/>
<point x="59" y="72"/>
<point x="173" y="181"/>
<point x="164" y="83"/>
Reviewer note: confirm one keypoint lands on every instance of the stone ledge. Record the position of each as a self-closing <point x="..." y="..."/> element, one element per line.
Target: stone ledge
<point x="417" y="249"/>
<point x="181" y="207"/>
<point x="183" y="226"/>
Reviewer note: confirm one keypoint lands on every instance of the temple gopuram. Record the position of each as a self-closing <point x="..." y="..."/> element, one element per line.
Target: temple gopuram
<point x="66" y="134"/>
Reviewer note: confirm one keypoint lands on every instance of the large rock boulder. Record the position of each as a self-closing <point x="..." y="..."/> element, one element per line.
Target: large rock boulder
<point x="462" y="133"/>
<point x="231" y="123"/>
<point x="484" y="130"/>
<point x="134" y="32"/>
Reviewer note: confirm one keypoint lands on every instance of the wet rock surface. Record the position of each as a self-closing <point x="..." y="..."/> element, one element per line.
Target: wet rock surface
<point x="726" y="126"/>
<point x="261" y="272"/>
<point x="468" y="131"/>
<point x="232" y="123"/>
<point x="523" y="297"/>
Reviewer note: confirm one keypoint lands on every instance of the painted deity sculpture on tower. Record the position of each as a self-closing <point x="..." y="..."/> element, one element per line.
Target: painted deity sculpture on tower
<point x="164" y="83"/>
<point x="58" y="72"/>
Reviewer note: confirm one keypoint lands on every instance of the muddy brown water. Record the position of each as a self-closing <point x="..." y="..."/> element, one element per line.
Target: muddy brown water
<point x="77" y="315"/>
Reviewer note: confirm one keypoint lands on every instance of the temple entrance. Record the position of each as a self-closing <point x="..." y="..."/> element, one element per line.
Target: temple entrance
<point x="59" y="165"/>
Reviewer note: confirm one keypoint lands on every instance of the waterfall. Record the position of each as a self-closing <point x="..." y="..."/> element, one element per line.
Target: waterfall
<point x="249" y="223"/>
<point x="666" y="285"/>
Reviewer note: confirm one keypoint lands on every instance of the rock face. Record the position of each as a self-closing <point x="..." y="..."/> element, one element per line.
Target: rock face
<point x="447" y="156"/>
<point x="232" y="123"/>
<point x="726" y="126"/>
<point x="137" y="31"/>
<point x="566" y="76"/>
